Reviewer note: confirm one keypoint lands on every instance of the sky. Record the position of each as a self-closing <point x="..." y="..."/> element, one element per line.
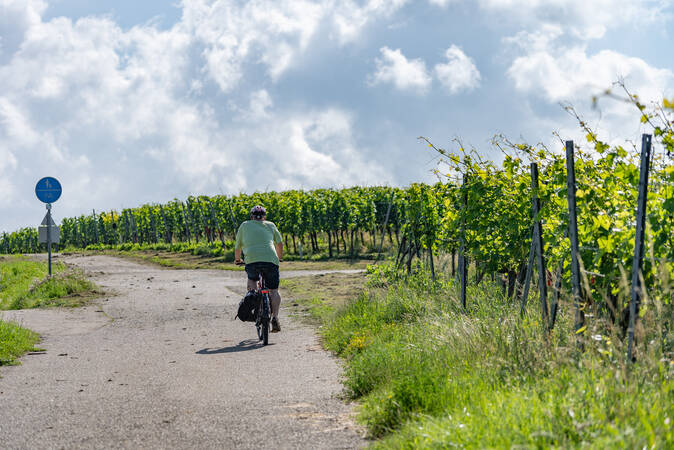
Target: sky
<point x="129" y="102"/>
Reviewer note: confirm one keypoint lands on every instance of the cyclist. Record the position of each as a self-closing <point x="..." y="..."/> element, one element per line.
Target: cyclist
<point x="262" y="244"/>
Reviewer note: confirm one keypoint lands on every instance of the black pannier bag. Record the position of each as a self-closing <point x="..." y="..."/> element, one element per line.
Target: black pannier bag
<point x="247" y="307"/>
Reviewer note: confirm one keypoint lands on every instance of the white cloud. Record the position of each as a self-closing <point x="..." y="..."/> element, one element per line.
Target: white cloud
<point x="585" y="19"/>
<point x="271" y="32"/>
<point x="568" y="74"/>
<point x="350" y="18"/>
<point x="406" y="75"/>
<point x="16" y="124"/>
<point x="233" y="34"/>
<point x="540" y="40"/>
<point x="459" y="72"/>
<point x="442" y="3"/>
<point x="260" y="101"/>
<point x="310" y="149"/>
<point x="16" y="17"/>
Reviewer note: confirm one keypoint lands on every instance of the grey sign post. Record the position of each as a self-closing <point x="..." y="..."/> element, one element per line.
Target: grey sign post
<point x="48" y="190"/>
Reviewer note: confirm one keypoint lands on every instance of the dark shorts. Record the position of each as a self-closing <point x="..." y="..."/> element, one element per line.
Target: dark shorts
<point x="268" y="270"/>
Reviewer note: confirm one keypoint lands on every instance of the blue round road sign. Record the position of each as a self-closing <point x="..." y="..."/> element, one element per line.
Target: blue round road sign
<point x="48" y="190"/>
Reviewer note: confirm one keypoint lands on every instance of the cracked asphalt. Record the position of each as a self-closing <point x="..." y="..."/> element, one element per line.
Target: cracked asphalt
<point x="160" y="363"/>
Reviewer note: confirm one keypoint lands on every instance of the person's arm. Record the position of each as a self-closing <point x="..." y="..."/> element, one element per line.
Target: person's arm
<point x="238" y="245"/>
<point x="278" y="242"/>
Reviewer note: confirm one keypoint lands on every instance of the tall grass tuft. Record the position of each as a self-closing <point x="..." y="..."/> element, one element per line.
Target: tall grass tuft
<point x="15" y="341"/>
<point x="24" y="284"/>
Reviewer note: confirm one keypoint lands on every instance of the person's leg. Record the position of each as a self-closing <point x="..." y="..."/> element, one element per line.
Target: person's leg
<point x="272" y="279"/>
<point x="275" y="298"/>
<point x="252" y="284"/>
<point x="253" y="275"/>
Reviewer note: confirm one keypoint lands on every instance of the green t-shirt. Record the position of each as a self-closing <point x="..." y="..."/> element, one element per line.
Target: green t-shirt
<point x="257" y="238"/>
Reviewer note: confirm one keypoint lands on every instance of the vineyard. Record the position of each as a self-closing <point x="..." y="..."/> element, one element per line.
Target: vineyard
<point x="480" y="209"/>
<point x="335" y="220"/>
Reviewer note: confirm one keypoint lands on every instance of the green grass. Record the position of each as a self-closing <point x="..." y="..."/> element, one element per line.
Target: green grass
<point x="428" y="375"/>
<point x="317" y="298"/>
<point x="15" y="341"/>
<point x="24" y="284"/>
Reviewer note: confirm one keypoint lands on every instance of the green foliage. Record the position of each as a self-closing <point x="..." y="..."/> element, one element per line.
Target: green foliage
<point x="430" y="376"/>
<point x="214" y="220"/>
<point x="494" y="205"/>
<point x="20" y="241"/>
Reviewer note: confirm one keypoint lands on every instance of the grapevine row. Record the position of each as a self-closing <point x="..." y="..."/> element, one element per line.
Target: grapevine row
<point x="481" y="206"/>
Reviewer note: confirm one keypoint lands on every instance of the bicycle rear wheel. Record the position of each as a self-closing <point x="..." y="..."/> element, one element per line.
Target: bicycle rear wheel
<point x="265" y="332"/>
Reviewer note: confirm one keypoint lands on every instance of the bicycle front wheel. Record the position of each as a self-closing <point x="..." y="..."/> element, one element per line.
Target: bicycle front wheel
<point x="265" y="332"/>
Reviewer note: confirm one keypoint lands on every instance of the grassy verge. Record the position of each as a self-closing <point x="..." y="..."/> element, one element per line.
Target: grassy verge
<point x="15" y="341"/>
<point x="431" y="376"/>
<point x="317" y="298"/>
<point x="24" y="284"/>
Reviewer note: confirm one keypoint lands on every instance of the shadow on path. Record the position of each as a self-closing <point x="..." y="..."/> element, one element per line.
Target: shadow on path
<point x="245" y="345"/>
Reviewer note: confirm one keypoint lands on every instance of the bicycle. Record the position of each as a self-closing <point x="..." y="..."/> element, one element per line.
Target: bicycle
<point x="263" y="310"/>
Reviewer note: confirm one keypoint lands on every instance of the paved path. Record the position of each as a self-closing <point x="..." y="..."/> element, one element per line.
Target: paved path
<point x="161" y="364"/>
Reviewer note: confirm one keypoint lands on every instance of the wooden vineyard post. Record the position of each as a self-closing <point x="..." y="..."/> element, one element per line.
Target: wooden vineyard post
<point x="98" y="240"/>
<point x="579" y="320"/>
<point x="554" y="305"/>
<point x="400" y="257"/>
<point x="463" y="272"/>
<point x="231" y="214"/>
<point x="195" y="228"/>
<point x="167" y="233"/>
<point x="126" y="226"/>
<point x="204" y="224"/>
<point x="635" y="299"/>
<point x="154" y="226"/>
<point x="538" y="238"/>
<point x="187" y="225"/>
<point x="430" y="256"/>
<point x="216" y="223"/>
<point x="135" y="228"/>
<point x="383" y="230"/>
<point x="555" y="299"/>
